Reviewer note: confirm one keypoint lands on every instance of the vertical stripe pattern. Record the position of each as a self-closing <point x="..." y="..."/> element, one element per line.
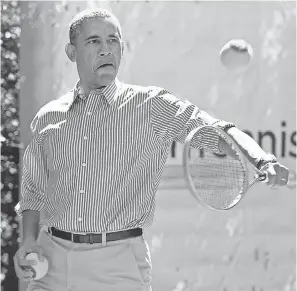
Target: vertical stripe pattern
<point x="94" y="163"/>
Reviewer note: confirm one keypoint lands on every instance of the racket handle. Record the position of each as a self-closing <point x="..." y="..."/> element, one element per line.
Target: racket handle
<point x="264" y="177"/>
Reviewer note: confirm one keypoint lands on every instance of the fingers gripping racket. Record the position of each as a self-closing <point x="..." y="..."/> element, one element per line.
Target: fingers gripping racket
<point x="216" y="180"/>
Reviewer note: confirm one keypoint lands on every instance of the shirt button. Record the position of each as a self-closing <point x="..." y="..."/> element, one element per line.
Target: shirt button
<point x="81" y="191"/>
<point x="84" y="164"/>
<point x="89" y="113"/>
<point x="85" y="137"/>
<point x="79" y="219"/>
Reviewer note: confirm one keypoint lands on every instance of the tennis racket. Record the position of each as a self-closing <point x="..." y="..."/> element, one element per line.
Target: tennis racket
<point x="216" y="180"/>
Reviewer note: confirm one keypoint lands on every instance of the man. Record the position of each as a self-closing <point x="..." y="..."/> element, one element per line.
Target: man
<point x="94" y="165"/>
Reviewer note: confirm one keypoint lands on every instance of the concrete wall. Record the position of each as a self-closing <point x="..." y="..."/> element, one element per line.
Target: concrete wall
<point x="176" y="45"/>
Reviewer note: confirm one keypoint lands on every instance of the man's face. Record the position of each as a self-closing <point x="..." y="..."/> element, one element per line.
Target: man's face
<point x="98" y="52"/>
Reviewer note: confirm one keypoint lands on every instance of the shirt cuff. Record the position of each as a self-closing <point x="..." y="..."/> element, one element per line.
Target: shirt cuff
<point x="28" y="205"/>
<point x="224" y="125"/>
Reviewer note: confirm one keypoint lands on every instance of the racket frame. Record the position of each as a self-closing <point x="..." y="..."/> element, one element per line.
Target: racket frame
<point x="259" y="175"/>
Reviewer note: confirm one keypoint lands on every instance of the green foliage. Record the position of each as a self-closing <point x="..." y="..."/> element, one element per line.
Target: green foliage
<point x="10" y="139"/>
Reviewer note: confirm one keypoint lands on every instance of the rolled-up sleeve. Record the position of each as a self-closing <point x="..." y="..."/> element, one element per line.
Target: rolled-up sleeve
<point x="173" y="119"/>
<point x="34" y="175"/>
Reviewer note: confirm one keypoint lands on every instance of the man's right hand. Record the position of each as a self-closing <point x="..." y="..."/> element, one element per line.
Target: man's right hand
<point x="21" y="265"/>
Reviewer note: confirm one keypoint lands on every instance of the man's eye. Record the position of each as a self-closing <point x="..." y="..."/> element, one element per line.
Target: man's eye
<point x="93" y="41"/>
<point x="113" y="39"/>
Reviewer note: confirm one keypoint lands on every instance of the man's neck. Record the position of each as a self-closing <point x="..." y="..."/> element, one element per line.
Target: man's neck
<point x="86" y="90"/>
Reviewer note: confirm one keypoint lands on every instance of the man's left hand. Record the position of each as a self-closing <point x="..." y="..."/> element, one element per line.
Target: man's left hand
<point x="277" y="174"/>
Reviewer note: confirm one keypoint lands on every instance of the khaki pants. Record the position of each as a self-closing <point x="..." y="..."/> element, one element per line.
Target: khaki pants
<point x="123" y="265"/>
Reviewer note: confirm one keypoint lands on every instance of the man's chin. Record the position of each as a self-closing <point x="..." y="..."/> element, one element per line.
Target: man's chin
<point x="105" y="79"/>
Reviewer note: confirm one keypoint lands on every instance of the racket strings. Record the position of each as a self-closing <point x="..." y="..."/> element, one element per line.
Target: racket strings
<point x="219" y="181"/>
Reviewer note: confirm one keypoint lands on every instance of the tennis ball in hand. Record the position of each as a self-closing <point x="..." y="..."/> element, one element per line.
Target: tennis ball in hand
<point x="40" y="269"/>
<point x="236" y="55"/>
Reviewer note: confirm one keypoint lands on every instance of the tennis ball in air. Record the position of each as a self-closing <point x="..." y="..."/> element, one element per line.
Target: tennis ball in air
<point x="236" y="54"/>
<point x="40" y="269"/>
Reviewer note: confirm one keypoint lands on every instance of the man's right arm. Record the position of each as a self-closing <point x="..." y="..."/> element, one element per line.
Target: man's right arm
<point x="31" y="220"/>
<point x="33" y="185"/>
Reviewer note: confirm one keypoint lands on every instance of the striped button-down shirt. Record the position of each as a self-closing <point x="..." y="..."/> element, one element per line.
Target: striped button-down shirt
<point x="94" y="163"/>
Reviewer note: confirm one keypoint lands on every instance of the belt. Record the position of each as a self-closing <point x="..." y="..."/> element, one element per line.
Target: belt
<point x="95" y="237"/>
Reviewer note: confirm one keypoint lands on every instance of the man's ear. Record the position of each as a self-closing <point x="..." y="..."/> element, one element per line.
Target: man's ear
<point x="122" y="48"/>
<point x="71" y="52"/>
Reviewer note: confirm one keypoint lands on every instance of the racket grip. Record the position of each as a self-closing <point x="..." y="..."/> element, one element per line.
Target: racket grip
<point x="263" y="177"/>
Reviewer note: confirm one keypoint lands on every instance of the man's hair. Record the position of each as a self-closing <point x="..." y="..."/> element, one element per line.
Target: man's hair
<point x="78" y="20"/>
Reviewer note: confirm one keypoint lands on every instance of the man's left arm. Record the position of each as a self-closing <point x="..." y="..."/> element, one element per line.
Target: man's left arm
<point x="277" y="173"/>
<point x="173" y="119"/>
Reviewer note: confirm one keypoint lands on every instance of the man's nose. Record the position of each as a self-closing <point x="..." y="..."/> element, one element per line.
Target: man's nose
<point x="104" y="50"/>
<point x="104" y="53"/>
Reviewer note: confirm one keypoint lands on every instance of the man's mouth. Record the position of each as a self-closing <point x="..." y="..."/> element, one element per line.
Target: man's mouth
<point x="105" y="65"/>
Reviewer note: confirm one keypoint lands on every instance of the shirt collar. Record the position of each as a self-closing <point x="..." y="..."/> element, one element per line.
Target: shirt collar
<point x="108" y="92"/>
